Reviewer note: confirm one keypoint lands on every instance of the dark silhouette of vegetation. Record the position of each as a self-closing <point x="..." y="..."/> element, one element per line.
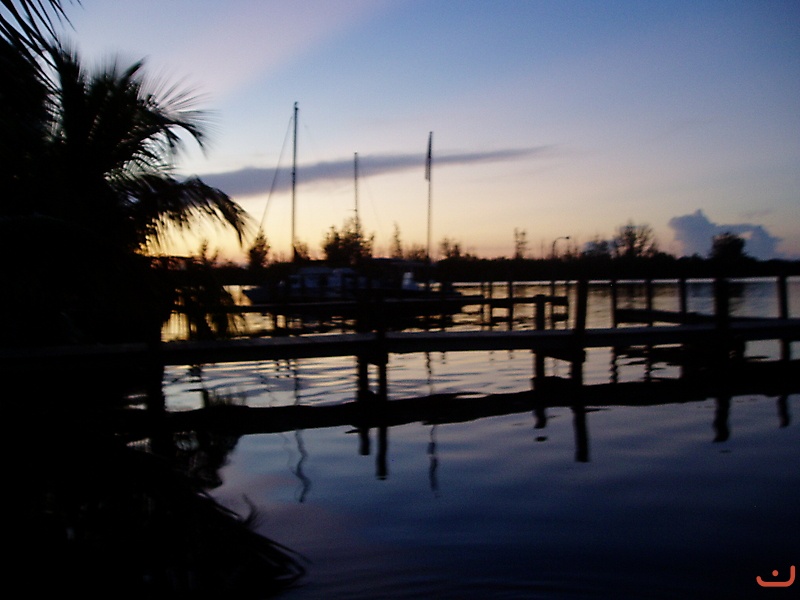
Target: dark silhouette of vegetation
<point x="86" y="167"/>
<point x="520" y="244"/>
<point x="30" y="26"/>
<point x="396" y="251"/>
<point x="449" y="249"/>
<point x="727" y="246"/>
<point x="202" y="298"/>
<point x="258" y="253"/>
<point x="348" y="246"/>
<point x="634" y="241"/>
<point x="104" y="519"/>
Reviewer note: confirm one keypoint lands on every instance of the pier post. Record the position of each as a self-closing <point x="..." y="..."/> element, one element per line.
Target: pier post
<point x="579" y="352"/>
<point x="783" y="313"/>
<point x="538" y="357"/>
<point x="490" y="303"/>
<point x="510" y="304"/>
<point x="682" y="299"/>
<point x="483" y="303"/>
<point x="722" y="345"/>
<point x="648" y="298"/>
<point x="614" y="301"/>
<point x="721" y="303"/>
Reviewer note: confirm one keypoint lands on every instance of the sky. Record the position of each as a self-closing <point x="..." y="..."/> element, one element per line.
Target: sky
<point x="556" y="118"/>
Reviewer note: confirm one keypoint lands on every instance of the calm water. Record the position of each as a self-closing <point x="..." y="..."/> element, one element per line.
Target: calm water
<point x="657" y="504"/>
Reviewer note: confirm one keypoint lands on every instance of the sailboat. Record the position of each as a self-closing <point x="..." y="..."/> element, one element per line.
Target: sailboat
<point x="384" y="279"/>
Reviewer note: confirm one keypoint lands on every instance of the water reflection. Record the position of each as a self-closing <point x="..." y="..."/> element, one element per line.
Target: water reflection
<point x="434" y="462"/>
<point x="765" y="378"/>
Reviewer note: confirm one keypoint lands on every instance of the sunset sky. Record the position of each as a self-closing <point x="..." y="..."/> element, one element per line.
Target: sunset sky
<point x="563" y="118"/>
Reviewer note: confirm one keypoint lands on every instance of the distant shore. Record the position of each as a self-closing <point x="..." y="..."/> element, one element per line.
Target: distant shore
<point x="478" y="270"/>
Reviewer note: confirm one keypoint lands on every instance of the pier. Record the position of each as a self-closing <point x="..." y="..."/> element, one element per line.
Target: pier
<point x="699" y="340"/>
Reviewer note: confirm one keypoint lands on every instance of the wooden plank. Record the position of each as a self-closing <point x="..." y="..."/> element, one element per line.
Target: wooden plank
<point x="643" y="315"/>
<point x="506" y="302"/>
<point x="354" y="344"/>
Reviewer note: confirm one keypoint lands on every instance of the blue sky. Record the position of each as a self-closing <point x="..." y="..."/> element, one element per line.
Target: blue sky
<point x="557" y="118"/>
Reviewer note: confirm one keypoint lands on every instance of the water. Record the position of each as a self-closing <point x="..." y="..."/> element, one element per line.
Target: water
<point x="684" y="498"/>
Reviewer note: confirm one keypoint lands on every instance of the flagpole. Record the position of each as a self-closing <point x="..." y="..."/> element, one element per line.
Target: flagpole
<point x="294" y="185"/>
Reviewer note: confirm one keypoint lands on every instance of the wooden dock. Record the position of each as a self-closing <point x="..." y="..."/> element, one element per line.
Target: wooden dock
<point x="717" y="337"/>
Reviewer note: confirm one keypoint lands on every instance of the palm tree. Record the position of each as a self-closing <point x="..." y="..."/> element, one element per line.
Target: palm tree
<point x="88" y="187"/>
<point x="113" y="144"/>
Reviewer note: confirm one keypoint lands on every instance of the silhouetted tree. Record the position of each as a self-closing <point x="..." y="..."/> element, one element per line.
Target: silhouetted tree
<point x="349" y="246"/>
<point x="258" y="253"/>
<point x="397" y="245"/>
<point x="597" y="249"/>
<point x="416" y="253"/>
<point x="203" y="299"/>
<point x="450" y="248"/>
<point x="634" y="241"/>
<point x="727" y="247"/>
<point x="520" y="243"/>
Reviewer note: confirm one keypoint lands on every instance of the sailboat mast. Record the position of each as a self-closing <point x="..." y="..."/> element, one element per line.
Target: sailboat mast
<point x="429" y="177"/>
<point x="294" y="185"/>
<point x="355" y="173"/>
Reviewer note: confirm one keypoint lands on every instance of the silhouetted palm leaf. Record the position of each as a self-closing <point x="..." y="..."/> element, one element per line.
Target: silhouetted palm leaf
<point x="30" y="26"/>
<point x="111" y="153"/>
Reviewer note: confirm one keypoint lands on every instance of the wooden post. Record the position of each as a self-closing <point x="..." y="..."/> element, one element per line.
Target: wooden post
<point x="383" y="380"/>
<point x="721" y="303"/>
<point x="538" y="363"/>
<point x="783" y="297"/>
<point x="614" y="301"/>
<point x="483" y="303"/>
<point x="648" y="298"/>
<point x="490" y="286"/>
<point x="783" y="313"/>
<point x="510" y="304"/>
<point x="581" y="306"/>
<point x="443" y="304"/>
<point x="381" y="356"/>
<point x="579" y="353"/>
<point x="722" y="346"/>
<point x="682" y="298"/>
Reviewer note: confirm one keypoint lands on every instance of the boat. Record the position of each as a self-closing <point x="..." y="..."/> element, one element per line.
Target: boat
<point x="385" y="280"/>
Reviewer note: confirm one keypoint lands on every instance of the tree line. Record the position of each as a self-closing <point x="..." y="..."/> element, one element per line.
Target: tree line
<point x="633" y="251"/>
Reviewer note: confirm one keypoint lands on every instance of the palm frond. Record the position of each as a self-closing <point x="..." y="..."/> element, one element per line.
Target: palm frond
<point x="158" y="203"/>
<point x="30" y="25"/>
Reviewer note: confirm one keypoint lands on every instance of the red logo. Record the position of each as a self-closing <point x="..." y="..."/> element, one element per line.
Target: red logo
<point x="779" y="584"/>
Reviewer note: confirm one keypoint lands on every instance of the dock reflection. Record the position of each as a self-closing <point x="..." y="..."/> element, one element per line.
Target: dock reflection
<point x="375" y="416"/>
